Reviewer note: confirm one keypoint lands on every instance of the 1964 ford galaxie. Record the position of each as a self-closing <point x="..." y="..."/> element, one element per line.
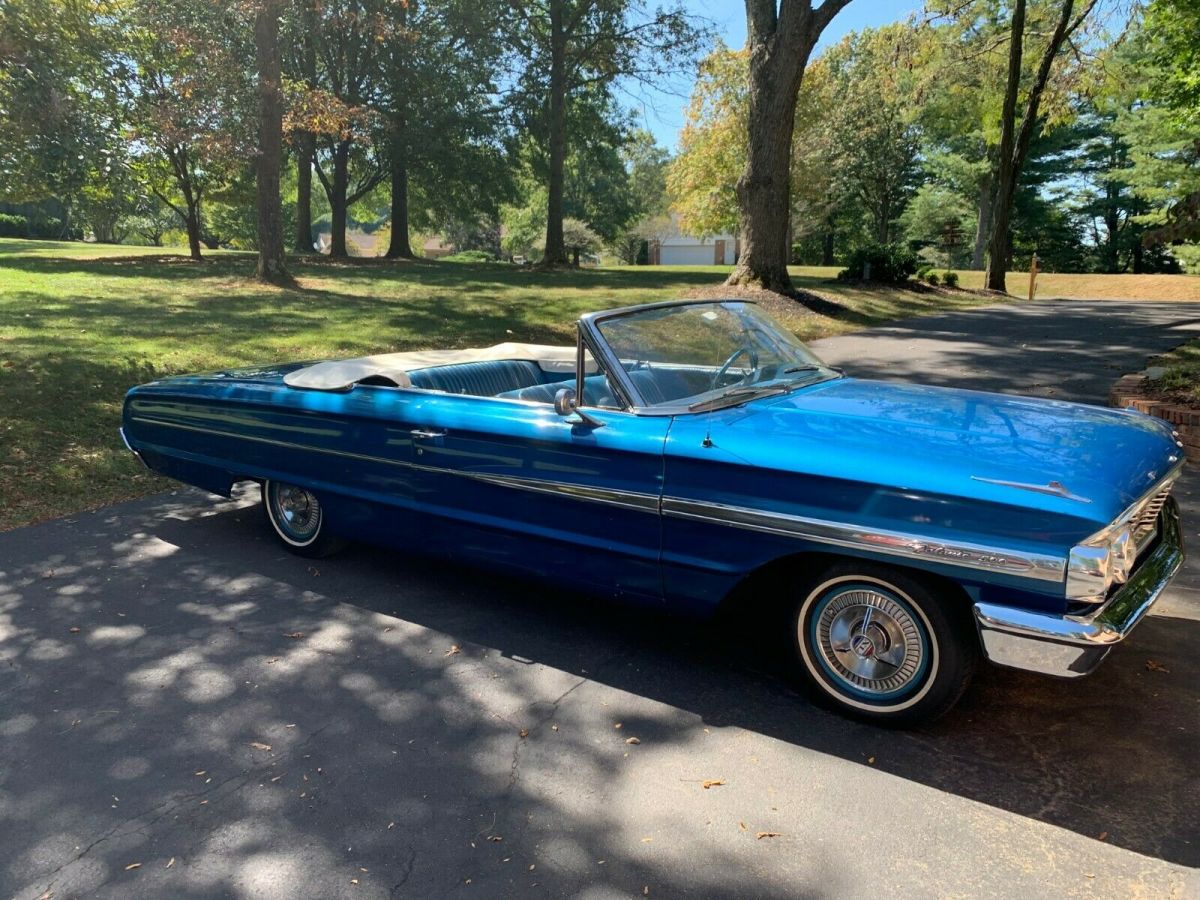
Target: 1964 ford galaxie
<point x="695" y="454"/>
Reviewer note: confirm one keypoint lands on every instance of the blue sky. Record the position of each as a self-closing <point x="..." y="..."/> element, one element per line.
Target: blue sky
<point x="663" y="109"/>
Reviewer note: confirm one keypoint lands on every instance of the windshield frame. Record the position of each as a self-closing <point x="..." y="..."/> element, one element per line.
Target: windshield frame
<point x="589" y="334"/>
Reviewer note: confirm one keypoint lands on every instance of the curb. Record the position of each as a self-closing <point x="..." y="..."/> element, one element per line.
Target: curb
<point x="1130" y="392"/>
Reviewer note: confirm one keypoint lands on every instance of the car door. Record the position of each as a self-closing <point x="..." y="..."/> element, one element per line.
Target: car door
<point x="514" y="484"/>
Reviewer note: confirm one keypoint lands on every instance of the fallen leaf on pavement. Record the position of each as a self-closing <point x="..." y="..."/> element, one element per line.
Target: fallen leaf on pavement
<point x="632" y="740"/>
<point x="495" y="838"/>
<point x="742" y="825"/>
<point x="766" y="834"/>
<point x="132" y="866"/>
<point x="554" y="728"/>
<point x="259" y="745"/>
<point x="295" y="635"/>
<point x="1155" y="666"/>
<point x="712" y="783"/>
<point x="74" y="629"/>
<point x="870" y="760"/>
<point x="1102" y="836"/>
<point x="169" y="864"/>
<point x="454" y="648"/>
<point x="201" y="772"/>
<point x="524" y="733"/>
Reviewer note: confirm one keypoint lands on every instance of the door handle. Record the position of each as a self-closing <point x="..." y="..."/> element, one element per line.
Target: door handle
<point x="426" y="433"/>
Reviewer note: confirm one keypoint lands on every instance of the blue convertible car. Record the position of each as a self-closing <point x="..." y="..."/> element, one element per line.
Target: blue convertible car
<point x="695" y="454"/>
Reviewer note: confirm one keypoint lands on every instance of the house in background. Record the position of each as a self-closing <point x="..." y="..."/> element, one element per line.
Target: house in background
<point x="674" y="248"/>
<point x="435" y="247"/>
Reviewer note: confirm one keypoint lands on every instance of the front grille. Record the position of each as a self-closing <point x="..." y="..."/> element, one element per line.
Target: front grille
<point x="1144" y="525"/>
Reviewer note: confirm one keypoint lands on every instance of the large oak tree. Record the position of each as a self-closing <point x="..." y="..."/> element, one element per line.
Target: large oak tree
<point x="575" y="49"/>
<point x="781" y="36"/>
<point x="1016" y="135"/>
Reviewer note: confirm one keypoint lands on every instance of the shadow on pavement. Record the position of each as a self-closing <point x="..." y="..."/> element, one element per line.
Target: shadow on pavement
<point x="265" y="722"/>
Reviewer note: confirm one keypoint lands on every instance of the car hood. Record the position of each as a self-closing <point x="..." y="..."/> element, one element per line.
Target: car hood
<point x="961" y="443"/>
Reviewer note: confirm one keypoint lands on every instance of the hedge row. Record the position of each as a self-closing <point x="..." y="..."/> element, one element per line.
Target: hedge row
<point x="21" y="227"/>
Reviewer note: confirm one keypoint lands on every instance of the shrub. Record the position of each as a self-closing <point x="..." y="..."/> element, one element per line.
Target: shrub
<point x="923" y="270"/>
<point x="950" y="279"/>
<point x="932" y="278"/>
<point x="13" y="226"/>
<point x="887" y="263"/>
<point x="475" y="256"/>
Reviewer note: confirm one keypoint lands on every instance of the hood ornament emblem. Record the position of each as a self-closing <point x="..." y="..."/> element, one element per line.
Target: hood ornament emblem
<point x="1054" y="488"/>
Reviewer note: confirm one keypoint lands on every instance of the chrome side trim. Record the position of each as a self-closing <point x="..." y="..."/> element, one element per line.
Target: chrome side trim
<point x="1071" y="646"/>
<point x="608" y="496"/>
<point x="129" y="447"/>
<point x="891" y="543"/>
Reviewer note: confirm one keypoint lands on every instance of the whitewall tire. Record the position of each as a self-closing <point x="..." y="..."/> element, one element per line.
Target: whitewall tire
<point x="882" y="644"/>
<point x="298" y="520"/>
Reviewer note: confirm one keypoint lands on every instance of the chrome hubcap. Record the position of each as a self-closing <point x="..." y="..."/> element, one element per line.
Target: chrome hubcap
<point x="870" y="641"/>
<point x="298" y="511"/>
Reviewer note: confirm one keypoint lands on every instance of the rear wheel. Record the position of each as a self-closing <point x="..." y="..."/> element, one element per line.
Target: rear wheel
<point x="298" y="520"/>
<point x="881" y="645"/>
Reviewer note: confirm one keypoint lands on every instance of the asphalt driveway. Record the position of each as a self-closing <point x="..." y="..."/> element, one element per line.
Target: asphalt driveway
<point x="187" y="711"/>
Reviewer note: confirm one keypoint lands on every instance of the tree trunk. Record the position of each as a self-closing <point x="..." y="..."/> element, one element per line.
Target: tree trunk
<point x="399" y="247"/>
<point x="305" y="147"/>
<point x="827" y="258"/>
<point x="764" y="188"/>
<point x="556" y="251"/>
<point x="337" y="200"/>
<point x="1015" y="147"/>
<point x="995" y="277"/>
<point x="780" y="40"/>
<point x="984" y="226"/>
<point x="192" y="224"/>
<point x="271" y="262"/>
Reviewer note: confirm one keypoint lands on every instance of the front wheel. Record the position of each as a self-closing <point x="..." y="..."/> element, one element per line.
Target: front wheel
<point x="881" y="645"/>
<point x="298" y="520"/>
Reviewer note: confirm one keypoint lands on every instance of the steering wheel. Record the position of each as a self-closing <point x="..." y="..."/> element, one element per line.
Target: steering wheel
<point x="751" y="356"/>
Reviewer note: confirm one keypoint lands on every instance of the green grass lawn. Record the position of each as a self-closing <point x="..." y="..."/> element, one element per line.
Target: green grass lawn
<point x="80" y="324"/>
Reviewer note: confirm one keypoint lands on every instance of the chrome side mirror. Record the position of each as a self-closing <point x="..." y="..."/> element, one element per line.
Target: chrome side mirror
<point x="566" y="404"/>
<point x="564" y="401"/>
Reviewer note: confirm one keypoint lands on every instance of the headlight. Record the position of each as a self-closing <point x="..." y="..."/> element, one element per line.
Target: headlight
<point x="1123" y="552"/>
<point x="1106" y="559"/>
<point x="1089" y="573"/>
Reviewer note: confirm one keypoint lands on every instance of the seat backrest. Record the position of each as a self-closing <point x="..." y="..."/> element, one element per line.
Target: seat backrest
<point x="663" y="385"/>
<point x="595" y="392"/>
<point x="482" y="379"/>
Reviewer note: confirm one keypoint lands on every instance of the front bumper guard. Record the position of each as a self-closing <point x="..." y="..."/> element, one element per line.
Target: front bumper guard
<point x="1071" y="646"/>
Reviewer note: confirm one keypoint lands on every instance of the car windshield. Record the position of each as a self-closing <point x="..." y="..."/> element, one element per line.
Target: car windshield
<point x="705" y="355"/>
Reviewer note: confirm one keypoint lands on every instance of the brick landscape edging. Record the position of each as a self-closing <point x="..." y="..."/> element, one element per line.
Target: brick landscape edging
<point x="1131" y="391"/>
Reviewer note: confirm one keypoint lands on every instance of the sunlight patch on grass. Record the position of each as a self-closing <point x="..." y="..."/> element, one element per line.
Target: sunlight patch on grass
<point x="81" y="323"/>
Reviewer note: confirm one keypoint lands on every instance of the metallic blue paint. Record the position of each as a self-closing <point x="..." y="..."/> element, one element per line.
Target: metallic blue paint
<point x="512" y="484"/>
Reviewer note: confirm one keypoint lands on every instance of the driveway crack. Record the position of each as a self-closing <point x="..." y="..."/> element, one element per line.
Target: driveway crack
<point x="161" y="810"/>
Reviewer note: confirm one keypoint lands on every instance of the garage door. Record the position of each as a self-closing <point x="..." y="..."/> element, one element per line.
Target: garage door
<point x="694" y="255"/>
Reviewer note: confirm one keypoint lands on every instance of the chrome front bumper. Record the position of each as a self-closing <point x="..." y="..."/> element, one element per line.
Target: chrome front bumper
<point x="1071" y="646"/>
